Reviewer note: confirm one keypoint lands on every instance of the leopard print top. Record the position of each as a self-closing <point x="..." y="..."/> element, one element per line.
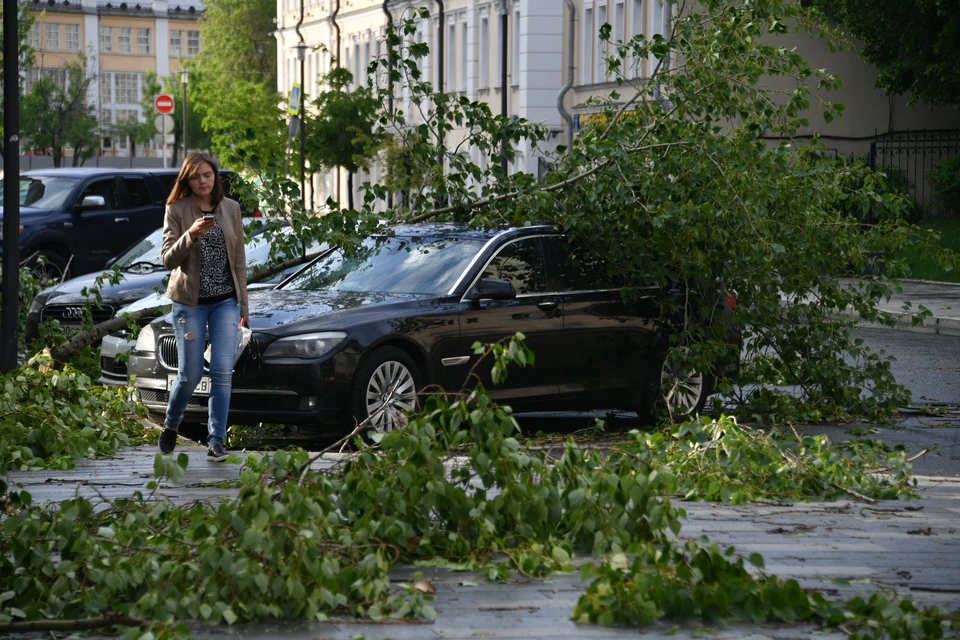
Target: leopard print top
<point x="216" y="280"/>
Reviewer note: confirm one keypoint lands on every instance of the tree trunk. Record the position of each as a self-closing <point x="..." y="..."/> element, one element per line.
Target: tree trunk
<point x="69" y="349"/>
<point x="350" y="190"/>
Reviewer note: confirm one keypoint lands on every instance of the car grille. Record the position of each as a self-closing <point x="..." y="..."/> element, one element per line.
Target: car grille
<point x="238" y="401"/>
<point x="71" y="315"/>
<point x="153" y="396"/>
<point x="167" y="352"/>
<point x="111" y="366"/>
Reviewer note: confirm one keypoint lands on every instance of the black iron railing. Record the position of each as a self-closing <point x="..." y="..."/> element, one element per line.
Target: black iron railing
<point x="912" y="154"/>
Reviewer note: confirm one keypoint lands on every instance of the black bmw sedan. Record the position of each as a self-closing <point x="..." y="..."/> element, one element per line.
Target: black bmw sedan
<point x="358" y="335"/>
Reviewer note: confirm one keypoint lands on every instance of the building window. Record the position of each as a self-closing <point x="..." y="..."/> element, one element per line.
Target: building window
<point x="128" y="88"/>
<point x="33" y="37"/>
<point x="125" y="40"/>
<point x="515" y="54"/>
<point x="658" y="18"/>
<point x="484" y="80"/>
<point x="143" y="41"/>
<point x="463" y="56"/>
<point x="619" y="22"/>
<point x="357" y="65"/>
<point x="451" y="78"/>
<point x="501" y="38"/>
<point x="52" y="32"/>
<point x="106" y="85"/>
<point x="176" y="40"/>
<point x="193" y="43"/>
<point x="106" y="39"/>
<point x="73" y="37"/>
<point x="636" y="21"/>
<point x="366" y="61"/>
<point x="601" y="45"/>
<point x="586" y="69"/>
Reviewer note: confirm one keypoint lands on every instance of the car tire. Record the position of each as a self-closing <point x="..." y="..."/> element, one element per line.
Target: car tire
<point x="386" y="371"/>
<point x="52" y="270"/>
<point x="676" y="392"/>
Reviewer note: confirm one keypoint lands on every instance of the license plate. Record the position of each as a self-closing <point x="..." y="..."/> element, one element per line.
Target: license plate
<point x="203" y="388"/>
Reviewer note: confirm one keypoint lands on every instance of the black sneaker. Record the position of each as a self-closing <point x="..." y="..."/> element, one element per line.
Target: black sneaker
<point x="216" y="453"/>
<point x="168" y="440"/>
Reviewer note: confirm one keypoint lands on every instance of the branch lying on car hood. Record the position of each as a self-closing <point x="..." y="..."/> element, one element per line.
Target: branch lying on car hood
<point x="69" y="349"/>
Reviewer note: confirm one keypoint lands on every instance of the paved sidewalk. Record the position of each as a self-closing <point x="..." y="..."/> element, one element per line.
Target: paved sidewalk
<point x="941" y="298"/>
<point x="910" y="546"/>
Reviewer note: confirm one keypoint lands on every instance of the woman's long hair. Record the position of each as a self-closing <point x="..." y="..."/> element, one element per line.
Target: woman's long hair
<point x="191" y="166"/>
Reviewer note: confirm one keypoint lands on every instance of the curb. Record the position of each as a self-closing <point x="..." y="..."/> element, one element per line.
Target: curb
<point x="933" y="325"/>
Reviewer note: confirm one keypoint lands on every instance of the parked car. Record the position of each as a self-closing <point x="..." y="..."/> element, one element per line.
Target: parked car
<point x="115" y="346"/>
<point x="79" y="218"/>
<point x="358" y="335"/>
<point x="74" y="220"/>
<point x="144" y="274"/>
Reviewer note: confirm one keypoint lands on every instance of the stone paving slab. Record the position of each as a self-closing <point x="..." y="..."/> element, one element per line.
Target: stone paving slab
<point x="870" y="545"/>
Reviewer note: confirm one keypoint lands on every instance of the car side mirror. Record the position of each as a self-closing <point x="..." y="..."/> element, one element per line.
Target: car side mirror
<point x="93" y="202"/>
<point x="492" y="289"/>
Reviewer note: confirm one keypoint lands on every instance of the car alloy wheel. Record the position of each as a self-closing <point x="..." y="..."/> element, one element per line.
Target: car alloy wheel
<point x="390" y="382"/>
<point x="683" y="390"/>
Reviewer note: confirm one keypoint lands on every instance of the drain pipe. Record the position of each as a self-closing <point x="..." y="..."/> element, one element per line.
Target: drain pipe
<point x="389" y="59"/>
<point x="441" y="27"/>
<point x="336" y="60"/>
<point x="571" y="24"/>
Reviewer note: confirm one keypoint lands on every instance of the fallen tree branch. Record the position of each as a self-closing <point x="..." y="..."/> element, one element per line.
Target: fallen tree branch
<point x="83" y="339"/>
<point x="106" y="620"/>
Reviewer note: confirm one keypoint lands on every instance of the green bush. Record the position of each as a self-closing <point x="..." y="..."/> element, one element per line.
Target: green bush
<point x="945" y="185"/>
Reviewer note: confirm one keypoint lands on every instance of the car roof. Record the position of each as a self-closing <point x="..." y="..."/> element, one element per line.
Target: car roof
<point x="76" y="172"/>
<point x="460" y="230"/>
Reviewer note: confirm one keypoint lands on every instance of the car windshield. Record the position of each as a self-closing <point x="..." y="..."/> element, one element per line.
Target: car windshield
<point x="391" y="264"/>
<point x="43" y="192"/>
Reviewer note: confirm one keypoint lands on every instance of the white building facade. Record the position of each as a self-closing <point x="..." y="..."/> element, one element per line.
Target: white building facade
<point x="548" y="43"/>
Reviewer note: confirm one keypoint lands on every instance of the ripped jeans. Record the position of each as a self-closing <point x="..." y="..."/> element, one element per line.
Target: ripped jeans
<point x="190" y="327"/>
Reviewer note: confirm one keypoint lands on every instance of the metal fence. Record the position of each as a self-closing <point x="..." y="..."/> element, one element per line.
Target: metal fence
<point x="911" y="155"/>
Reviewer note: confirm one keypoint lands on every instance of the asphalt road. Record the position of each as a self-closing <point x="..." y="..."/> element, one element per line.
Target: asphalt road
<point x="927" y="364"/>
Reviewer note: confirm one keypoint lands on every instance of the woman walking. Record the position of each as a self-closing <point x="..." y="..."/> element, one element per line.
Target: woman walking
<point x="204" y="249"/>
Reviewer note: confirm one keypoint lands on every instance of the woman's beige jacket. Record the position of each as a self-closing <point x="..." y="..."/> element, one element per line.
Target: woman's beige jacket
<point x="181" y="253"/>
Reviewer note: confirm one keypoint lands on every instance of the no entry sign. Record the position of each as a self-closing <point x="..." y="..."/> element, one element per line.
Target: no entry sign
<point x="164" y="103"/>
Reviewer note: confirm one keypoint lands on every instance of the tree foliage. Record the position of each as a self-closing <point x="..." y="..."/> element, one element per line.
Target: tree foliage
<point x="341" y="133"/>
<point x="454" y="488"/>
<point x="235" y="84"/>
<point x="915" y="45"/>
<point x="55" y="115"/>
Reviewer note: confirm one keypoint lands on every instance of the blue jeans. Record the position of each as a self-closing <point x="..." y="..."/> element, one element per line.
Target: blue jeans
<point x="190" y="327"/>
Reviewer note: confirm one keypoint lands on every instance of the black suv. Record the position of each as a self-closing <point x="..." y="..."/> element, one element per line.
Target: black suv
<point x="79" y="219"/>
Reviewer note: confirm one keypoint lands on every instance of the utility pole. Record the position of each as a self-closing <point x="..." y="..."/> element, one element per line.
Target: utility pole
<point x="10" y="308"/>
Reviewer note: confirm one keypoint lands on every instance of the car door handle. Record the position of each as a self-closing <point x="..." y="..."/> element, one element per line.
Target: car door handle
<point x="549" y="305"/>
<point x="121" y="220"/>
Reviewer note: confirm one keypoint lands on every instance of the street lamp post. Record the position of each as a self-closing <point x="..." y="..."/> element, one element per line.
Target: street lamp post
<point x="302" y="55"/>
<point x="184" y="77"/>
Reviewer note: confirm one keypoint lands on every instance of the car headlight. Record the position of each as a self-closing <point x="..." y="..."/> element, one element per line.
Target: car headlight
<point x="306" y="346"/>
<point x="39" y="302"/>
<point x="146" y="341"/>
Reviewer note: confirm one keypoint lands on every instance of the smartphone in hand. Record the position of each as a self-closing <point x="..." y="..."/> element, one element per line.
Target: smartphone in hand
<point x="209" y="216"/>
